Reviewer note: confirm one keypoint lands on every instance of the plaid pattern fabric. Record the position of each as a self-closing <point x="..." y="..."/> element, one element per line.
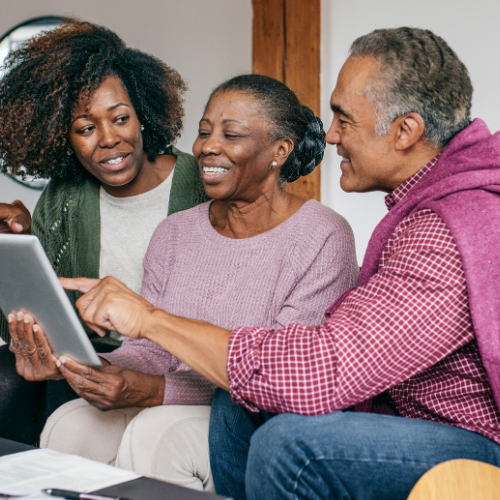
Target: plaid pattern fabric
<point x="407" y="332"/>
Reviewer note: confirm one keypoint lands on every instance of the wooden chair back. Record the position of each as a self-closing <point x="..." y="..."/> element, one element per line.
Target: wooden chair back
<point x="458" y="480"/>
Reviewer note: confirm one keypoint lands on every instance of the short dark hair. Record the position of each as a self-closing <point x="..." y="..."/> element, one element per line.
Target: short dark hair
<point x="47" y="74"/>
<point x="419" y="73"/>
<point x="288" y="119"/>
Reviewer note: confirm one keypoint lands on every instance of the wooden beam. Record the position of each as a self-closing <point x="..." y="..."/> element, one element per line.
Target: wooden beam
<point x="302" y="54"/>
<point x="269" y="38"/>
<point x="286" y="46"/>
<point x="302" y="72"/>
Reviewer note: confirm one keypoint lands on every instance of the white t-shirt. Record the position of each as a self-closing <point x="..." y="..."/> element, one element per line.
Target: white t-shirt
<point x="127" y="225"/>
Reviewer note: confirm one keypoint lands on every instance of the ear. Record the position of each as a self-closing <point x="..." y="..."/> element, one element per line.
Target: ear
<point x="283" y="148"/>
<point x="409" y="130"/>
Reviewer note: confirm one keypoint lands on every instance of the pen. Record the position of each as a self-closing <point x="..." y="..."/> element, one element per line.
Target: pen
<point x="75" y="495"/>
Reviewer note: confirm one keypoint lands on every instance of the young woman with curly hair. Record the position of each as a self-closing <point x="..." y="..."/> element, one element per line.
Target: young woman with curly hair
<point x="99" y="119"/>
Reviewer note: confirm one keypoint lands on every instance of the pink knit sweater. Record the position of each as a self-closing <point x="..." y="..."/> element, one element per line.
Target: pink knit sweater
<point x="289" y="274"/>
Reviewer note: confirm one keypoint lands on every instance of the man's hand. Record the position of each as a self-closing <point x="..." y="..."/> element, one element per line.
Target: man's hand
<point x="34" y="358"/>
<point x="112" y="386"/>
<point x="108" y="304"/>
<point x="14" y="218"/>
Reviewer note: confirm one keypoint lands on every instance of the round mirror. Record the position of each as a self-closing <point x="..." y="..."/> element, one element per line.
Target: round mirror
<point x="10" y="41"/>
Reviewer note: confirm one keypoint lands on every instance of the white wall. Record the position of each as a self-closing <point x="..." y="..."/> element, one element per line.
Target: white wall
<point x="207" y="41"/>
<point x="472" y="31"/>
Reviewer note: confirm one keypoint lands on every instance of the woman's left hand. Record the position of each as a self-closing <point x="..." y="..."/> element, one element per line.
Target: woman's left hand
<point x="112" y="386"/>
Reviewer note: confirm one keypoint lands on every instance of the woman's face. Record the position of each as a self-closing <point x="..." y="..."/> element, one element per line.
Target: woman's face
<point x="234" y="148"/>
<point x="106" y="137"/>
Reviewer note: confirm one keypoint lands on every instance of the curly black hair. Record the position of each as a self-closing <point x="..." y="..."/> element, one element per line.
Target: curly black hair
<point x="46" y="76"/>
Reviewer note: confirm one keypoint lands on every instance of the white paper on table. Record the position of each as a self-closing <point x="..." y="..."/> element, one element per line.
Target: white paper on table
<point x="16" y="495"/>
<point x="30" y="471"/>
<point x="7" y="493"/>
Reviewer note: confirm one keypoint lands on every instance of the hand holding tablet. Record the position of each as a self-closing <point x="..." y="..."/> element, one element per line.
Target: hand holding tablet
<point x="34" y="358"/>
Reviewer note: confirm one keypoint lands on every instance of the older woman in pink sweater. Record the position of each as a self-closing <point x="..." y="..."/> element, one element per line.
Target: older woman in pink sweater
<point x="256" y="255"/>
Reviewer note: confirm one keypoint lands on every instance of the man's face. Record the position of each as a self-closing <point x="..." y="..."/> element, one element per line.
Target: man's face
<point x="367" y="160"/>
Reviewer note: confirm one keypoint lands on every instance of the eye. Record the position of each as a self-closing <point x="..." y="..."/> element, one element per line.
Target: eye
<point x="86" y="130"/>
<point x="122" y="119"/>
<point x="231" y="136"/>
<point x="342" y="122"/>
<point x="203" y="133"/>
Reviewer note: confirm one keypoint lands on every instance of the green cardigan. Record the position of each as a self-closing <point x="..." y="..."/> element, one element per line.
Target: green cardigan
<point x="68" y="223"/>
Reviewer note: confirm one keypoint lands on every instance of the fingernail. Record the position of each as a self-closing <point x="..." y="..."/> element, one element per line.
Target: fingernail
<point x="58" y="363"/>
<point x="10" y="318"/>
<point x="19" y="317"/>
<point x="36" y="328"/>
<point x="62" y="359"/>
<point x="26" y="320"/>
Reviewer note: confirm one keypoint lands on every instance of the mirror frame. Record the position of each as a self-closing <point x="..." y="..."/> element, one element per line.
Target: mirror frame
<point x="32" y="184"/>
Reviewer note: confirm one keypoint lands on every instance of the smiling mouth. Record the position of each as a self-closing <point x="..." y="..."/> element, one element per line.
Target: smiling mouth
<point x="214" y="170"/>
<point x="115" y="163"/>
<point x="345" y="163"/>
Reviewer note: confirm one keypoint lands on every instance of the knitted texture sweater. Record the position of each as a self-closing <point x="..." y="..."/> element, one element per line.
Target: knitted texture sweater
<point x="286" y="275"/>
<point x="67" y="221"/>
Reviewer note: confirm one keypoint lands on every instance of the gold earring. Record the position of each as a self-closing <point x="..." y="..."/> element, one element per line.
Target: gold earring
<point x="274" y="164"/>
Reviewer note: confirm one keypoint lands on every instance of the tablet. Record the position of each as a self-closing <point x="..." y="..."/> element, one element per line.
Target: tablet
<point x="29" y="283"/>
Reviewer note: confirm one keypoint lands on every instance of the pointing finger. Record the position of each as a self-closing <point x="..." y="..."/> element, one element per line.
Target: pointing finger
<point x="80" y="284"/>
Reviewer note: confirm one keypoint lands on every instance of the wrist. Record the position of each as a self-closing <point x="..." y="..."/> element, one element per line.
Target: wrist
<point x="156" y="391"/>
<point x="155" y="325"/>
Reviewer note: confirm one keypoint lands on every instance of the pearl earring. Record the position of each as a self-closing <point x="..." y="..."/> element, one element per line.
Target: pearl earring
<point x="142" y="128"/>
<point x="274" y="164"/>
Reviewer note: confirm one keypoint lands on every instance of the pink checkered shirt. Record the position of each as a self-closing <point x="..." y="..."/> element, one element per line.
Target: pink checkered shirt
<point x="407" y="332"/>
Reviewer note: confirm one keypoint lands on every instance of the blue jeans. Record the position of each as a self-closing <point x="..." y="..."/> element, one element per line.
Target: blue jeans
<point x="343" y="455"/>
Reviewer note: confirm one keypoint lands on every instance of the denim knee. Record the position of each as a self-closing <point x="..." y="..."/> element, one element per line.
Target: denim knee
<point x="275" y="453"/>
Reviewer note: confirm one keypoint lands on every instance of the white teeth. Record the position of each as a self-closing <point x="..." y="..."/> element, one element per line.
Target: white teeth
<point x="214" y="170"/>
<point x="345" y="159"/>
<point x="115" y="161"/>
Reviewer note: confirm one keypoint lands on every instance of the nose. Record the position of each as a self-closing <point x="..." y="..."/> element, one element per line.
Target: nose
<point x="108" y="137"/>
<point x="211" y="145"/>
<point x="333" y="134"/>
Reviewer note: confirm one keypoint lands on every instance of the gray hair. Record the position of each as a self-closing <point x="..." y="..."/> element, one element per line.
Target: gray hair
<point x="418" y="73"/>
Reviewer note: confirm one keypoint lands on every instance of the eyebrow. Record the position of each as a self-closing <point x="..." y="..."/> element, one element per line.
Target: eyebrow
<point x="227" y="120"/>
<point x="111" y="108"/>
<point x="338" y="109"/>
<point x="223" y="121"/>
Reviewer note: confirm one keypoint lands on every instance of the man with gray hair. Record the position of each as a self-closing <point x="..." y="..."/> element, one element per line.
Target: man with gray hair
<point x="417" y="338"/>
<point x="414" y="350"/>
